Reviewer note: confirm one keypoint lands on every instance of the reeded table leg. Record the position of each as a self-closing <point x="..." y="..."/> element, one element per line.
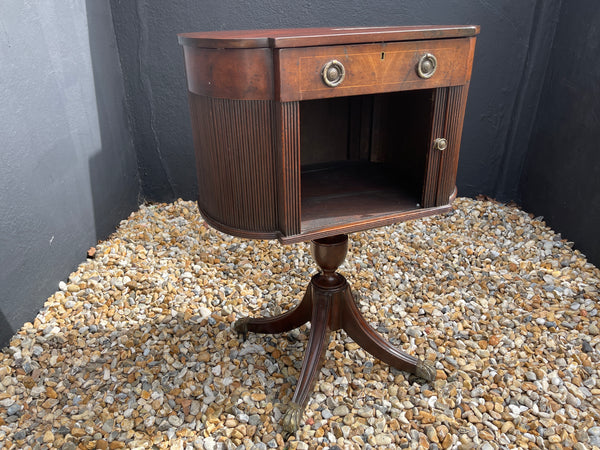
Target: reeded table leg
<point x="329" y="305"/>
<point x="313" y="360"/>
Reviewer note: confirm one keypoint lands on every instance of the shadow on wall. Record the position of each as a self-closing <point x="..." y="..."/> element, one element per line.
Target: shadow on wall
<point x="6" y="330"/>
<point x="114" y="179"/>
<point x="71" y="172"/>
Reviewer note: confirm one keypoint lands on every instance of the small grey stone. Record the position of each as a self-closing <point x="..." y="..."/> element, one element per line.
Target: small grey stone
<point x="7" y="402"/>
<point x="326" y="414"/>
<point x="341" y="411"/>
<point x="253" y="420"/>
<point x="195" y="407"/>
<point x="477" y="392"/>
<point x="531" y="376"/>
<point x="164" y="425"/>
<point x="451" y="360"/>
<point x="572" y="400"/>
<point x="365" y="412"/>
<point x="69" y="446"/>
<point x="13" y="409"/>
<point x="586" y="347"/>
<point x="108" y="425"/>
<point x="21" y="434"/>
<point x="176" y="421"/>
<point x="413" y="331"/>
<point x="594" y="432"/>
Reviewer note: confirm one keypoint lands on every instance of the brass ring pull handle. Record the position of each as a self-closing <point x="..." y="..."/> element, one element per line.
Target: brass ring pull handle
<point x="427" y="65"/>
<point x="333" y="73"/>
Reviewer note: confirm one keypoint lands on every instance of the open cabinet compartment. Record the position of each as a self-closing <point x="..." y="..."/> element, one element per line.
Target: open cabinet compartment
<point x="363" y="157"/>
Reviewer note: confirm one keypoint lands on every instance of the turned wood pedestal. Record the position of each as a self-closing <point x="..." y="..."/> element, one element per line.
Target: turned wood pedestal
<point x="328" y="305"/>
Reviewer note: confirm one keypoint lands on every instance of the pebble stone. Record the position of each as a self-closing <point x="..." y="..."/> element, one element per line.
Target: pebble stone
<point x="136" y="348"/>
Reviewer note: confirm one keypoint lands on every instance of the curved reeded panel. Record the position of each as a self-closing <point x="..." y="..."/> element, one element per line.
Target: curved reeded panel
<point x="235" y="165"/>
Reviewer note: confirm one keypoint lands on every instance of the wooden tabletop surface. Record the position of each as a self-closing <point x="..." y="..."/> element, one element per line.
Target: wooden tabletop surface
<point x="303" y="37"/>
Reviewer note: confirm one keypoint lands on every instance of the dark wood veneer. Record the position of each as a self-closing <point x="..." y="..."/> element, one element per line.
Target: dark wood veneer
<point x="248" y="98"/>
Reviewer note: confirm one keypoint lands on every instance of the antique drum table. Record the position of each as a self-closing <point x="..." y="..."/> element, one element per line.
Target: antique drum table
<point x="311" y="134"/>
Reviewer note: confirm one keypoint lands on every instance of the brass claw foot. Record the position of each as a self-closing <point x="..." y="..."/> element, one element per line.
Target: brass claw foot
<point x="291" y="420"/>
<point x="241" y="326"/>
<point x="426" y="370"/>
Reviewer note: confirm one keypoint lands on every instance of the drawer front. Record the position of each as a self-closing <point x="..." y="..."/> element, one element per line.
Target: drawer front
<point x="373" y="68"/>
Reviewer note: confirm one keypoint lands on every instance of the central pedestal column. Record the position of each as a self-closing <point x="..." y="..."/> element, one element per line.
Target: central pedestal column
<point x="328" y="304"/>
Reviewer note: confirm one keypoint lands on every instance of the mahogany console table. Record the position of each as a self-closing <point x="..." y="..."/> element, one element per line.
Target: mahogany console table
<point x="310" y="134"/>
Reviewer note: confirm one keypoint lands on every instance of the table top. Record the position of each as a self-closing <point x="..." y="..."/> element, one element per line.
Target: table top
<point x="303" y="37"/>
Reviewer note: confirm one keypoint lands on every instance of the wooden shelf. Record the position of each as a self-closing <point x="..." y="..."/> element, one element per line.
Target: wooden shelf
<point x="345" y="192"/>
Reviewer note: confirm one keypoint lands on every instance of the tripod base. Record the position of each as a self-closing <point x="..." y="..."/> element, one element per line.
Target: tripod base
<point x="328" y="304"/>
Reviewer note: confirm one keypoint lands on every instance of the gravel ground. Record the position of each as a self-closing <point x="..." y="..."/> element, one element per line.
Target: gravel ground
<point x="136" y="349"/>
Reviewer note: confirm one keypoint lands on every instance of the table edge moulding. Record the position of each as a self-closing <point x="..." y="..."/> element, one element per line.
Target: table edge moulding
<point x="311" y="134"/>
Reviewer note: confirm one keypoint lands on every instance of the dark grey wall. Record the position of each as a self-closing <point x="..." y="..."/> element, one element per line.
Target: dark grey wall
<point x="68" y="171"/>
<point x="510" y="60"/>
<point x="561" y="180"/>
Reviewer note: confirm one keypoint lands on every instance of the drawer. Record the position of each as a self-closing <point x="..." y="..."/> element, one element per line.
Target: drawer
<point x="372" y="68"/>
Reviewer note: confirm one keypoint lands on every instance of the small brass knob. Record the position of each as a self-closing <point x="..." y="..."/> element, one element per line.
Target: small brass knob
<point x="426" y="65"/>
<point x="333" y="73"/>
<point x="440" y="144"/>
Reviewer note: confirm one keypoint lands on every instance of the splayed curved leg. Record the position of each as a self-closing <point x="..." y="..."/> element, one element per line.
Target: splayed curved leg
<point x="279" y="324"/>
<point x="364" y="335"/>
<point x="313" y="360"/>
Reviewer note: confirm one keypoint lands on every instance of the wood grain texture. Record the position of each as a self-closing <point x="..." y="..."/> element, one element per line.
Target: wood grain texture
<point x="371" y="68"/>
<point x="287" y="144"/>
<point x="434" y="157"/>
<point x="236" y="169"/>
<point x="232" y="73"/>
<point x="304" y="37"/>
<point x="455" y="111"/>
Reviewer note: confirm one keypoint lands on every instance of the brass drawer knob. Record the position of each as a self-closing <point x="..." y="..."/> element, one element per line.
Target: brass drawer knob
<point x="440" y="144"/>
<point x="333" y="73"/>
<point x="427" y="65"/>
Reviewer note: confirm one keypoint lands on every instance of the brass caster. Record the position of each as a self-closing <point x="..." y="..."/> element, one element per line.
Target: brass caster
<point x="241" y="326"/>
<point x="291" y="420"/>
<point x="426" y="370"/>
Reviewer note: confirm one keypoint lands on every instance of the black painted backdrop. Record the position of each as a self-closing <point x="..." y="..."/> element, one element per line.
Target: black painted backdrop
<point x="497" y="111"/>
<point x="561" y="180"/>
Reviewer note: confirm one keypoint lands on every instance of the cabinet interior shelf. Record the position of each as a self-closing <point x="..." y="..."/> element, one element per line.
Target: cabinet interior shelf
<point x="348" y="191"/>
